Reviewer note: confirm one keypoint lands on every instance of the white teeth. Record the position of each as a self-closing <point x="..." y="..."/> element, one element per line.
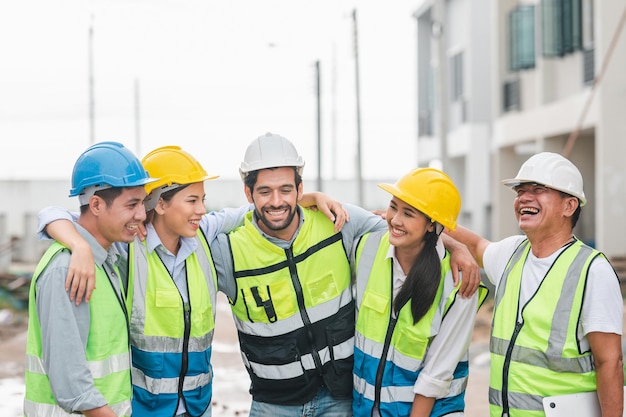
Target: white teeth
<point x="528" y="210"/>
<point x="398" y="231"/>
<point x="132" y="226"/>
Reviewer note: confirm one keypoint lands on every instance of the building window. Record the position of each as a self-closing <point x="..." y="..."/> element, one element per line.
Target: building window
<point x="456" y="77"/>
<point x="561" y="27"/>
<point x="511" y="98"/>
<point x="522" y="38"/>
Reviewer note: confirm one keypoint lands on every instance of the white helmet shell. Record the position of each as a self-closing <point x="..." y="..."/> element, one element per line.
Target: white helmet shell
<point x="553" y="171"/>
<point x="270" y="151"/>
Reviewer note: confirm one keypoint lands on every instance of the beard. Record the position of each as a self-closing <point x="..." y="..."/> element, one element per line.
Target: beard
<point x="276" y="225"/>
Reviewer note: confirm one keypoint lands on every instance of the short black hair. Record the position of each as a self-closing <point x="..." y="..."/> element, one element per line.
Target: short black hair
<point x="251" y="179"/>
<point x="107" y="194"/>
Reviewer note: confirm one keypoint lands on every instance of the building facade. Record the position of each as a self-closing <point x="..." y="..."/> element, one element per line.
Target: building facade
<point x="556" y="84"/>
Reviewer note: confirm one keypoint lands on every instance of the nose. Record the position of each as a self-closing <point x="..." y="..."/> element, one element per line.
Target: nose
<point x="524" y="195"/>
<point x="275" y="199"/>
<point x="140" y="212"/>
<point x="200" y="207"/>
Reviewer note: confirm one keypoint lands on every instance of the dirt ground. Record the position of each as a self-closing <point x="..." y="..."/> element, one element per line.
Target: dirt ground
<point x="231" y="381"/>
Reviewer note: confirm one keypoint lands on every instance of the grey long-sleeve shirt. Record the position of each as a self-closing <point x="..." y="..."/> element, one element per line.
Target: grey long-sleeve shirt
<point x="65" y="328"/>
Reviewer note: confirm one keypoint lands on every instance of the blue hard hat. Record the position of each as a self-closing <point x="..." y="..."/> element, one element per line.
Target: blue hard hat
<point x="108" y="164"/>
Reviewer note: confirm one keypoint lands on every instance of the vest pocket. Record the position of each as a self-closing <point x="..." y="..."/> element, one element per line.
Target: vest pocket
<point x="410" y="344"/>
<point x="340" y="340"/>
<point x="321" y="288"/>
<point x="269" y="303"/>
<point x="269" y="351"/>
<point x="168" y="304"/>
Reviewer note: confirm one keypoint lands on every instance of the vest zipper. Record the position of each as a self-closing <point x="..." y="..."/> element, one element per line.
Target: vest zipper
<point x="380" y="371"/>
<point x="506" y="368"/>
<point x="295" y="280"/>
<point x="381" y="365"/>
<point x="121" y="295"/>
<point x="185" y="354"/>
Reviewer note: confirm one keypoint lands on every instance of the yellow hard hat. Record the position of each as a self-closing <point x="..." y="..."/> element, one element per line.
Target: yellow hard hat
<point x="175" y="167"/>
<point x="430" y="191"/>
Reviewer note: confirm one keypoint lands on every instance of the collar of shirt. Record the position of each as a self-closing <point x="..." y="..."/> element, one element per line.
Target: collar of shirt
<point x="153" y="241"/>
<point x="398" y="274"/>
<point x="100" y="255"/>
<point x="174" y="263"/>
<point x="276" y="241"/>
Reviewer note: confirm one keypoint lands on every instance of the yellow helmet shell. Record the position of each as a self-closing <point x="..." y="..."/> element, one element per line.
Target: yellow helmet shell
<point x="430" y="191"/>
<point x="174" y="166"/>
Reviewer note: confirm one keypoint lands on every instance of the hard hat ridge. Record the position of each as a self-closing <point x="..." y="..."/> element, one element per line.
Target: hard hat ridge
<point x="105" y="165"/>
<point x="174" y="167"/>
<point x="270" y="151"/>
<point x="430" y="191"/>
<point x="552" y="170"/>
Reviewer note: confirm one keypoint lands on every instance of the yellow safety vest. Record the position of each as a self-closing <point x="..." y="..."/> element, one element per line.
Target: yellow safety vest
<point x="540" y="355"/>
<point x="294" y="311"/>
<point x="389" y="352"/>
<point x="171" y="340"/>
<point x="107" y="351"/>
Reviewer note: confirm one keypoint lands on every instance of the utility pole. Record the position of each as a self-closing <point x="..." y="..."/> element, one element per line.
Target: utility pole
<point x="319" y="125"/>
<point x="359" y="168"/>
<point x="137" y="119"/>
<point x="92" y="110"/>
<point x="334" y="114"/>
<point x="438" y="32"/>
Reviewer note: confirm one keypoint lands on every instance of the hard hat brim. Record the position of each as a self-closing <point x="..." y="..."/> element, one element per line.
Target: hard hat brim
<point x="514" y="182"/>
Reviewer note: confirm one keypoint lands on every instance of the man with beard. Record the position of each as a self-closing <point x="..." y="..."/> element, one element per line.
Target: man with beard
<point x="287" y="275"/>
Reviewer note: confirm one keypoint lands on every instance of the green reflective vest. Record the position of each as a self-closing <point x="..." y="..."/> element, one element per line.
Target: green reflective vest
<point x="107" y="353"/>
<point x="389" y="352"/>
<point x="294" y="311"/>
<point x="171" y="340"/>
<point x="540" y="355"/>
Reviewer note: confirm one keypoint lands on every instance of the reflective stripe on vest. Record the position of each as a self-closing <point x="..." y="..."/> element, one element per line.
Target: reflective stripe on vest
<point x="107" y="351"/>
<point x="49" y="410"/>
<point x="540" y="355"/>
<point x="408" y="346"/>
<point x="294" y="310"/>
<point x="171" y="339"/>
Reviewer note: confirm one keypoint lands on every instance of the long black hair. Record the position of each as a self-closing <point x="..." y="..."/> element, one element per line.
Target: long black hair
<point x="422" y="281"/>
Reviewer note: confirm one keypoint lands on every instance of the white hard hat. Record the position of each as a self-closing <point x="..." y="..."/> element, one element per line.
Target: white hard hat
<point x="553" y="171"/>
<point x="270" y="151"/>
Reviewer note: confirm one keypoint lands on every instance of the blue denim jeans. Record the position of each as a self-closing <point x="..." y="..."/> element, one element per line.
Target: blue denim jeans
<point x="323" y="404"/>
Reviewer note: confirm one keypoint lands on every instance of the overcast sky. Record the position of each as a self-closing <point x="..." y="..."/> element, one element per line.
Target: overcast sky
<point x="211" y="76"/>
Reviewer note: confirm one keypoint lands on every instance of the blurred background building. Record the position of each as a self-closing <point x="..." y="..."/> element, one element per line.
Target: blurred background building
<point x="501" y="80"/>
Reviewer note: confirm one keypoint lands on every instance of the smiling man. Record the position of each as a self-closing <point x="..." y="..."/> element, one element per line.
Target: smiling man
<point x="77" y="356"/>
<point x="558" y="308"/>
<point x="287" y="275"/>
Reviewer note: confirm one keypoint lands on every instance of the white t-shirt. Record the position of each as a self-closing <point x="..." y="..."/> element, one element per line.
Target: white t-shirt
<point x="602" y="306"/>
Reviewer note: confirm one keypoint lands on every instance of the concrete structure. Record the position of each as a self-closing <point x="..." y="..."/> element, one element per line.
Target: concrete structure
<point x="454" y="72"/>
<point x="537" y="68"/>
<point x="538" y="105"/>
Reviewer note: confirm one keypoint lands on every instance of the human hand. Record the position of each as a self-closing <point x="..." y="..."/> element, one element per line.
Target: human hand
<point x="464" y="269"/>
<point x="332" y="208"/>
<point x="81" y="274"/>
